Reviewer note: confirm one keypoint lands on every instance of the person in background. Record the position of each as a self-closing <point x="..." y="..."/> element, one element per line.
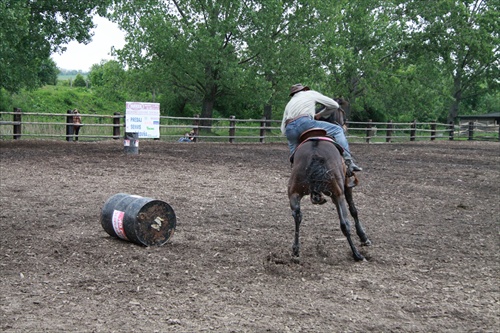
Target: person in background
<point x="300" y="115"/>
<point x="186" y="138"/>
<point x="77" y="123"/>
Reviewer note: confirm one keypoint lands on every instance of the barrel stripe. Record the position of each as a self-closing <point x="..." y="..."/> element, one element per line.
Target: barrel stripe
<point x="118" y="224"/>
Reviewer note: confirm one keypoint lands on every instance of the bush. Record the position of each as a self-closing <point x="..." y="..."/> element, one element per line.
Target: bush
<point x="79" y="81"/>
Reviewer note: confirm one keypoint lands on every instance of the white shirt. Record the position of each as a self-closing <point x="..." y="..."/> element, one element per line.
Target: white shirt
<point x="304" y="103"/>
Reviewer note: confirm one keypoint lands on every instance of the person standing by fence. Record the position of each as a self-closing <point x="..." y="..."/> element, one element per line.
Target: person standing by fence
<point x="77" y="123"/>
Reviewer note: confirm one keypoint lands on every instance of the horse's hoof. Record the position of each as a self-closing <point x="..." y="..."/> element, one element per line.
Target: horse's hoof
<point x="367" y="243"/>
<point x="317" y="199"/>
<point x="295" y="260"/>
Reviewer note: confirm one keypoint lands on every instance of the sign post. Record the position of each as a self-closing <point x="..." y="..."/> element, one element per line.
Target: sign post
<point x="144" y="119"/>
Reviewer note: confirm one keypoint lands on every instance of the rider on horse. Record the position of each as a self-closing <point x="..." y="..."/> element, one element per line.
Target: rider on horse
<point x="300" y="116"/>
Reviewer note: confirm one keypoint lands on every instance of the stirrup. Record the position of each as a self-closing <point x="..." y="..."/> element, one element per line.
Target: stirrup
<point x="351" y="182"/>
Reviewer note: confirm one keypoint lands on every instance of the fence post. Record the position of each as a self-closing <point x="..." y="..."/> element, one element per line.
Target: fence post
<point x="196" y="123"/>
<point x="413" y="130"/>
<point x="368" y="131"/>
<point x="451" y="129"/>
<point x="116" y="127"/>
<point x="17" y="123"/>
<point x="232" y="129"/>
<point x="389" y="131"/>
<point x="433" y="131"/>
<point x="69" y="125"/>
<point x="263" y="125"/>
<point x="471" y="131"/>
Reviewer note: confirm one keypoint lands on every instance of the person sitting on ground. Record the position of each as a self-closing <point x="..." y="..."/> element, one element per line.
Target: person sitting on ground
<point x="300" y="116"/>
<point x="185" y="138"/>
<point x="77" y="123"/>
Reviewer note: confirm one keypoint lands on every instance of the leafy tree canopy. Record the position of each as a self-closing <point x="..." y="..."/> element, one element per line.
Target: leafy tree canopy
<point x="391" y="59"/>
<point x="31" y="30"/>
<point x="457" y="43"/>
<point x="108" y="79"/>
<point x="220" y="54"/>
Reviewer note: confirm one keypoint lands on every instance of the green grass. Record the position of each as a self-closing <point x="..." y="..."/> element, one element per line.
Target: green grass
<point x="59" y="99"/>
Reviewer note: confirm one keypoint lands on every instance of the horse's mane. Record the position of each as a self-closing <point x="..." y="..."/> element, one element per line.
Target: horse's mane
<point x="339" y="116"/>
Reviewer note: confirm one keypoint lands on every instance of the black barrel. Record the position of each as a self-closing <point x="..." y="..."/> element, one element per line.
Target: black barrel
<point x="131" y="143"/>
<point x="141" y="220"/>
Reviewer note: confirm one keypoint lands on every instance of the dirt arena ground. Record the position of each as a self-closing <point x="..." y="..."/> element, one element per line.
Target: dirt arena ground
<point x="430" y="208"/>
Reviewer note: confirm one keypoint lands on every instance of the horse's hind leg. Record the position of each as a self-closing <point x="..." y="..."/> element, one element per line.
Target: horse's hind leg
<point x="354" y="213"/>
<point x="297" y="216"/>
<point x="346" y="227"/>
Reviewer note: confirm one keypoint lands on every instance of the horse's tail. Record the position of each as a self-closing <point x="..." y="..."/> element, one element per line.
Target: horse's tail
<point x="317" y="174"/>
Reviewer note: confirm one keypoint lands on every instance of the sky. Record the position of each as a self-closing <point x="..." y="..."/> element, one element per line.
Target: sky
<point x="82" y="57"/>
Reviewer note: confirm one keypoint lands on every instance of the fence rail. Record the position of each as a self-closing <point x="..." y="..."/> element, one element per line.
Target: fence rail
<point x="18" y="124"/>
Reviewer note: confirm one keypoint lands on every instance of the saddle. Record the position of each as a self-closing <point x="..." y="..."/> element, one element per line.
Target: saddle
<point x="315" y="134"/>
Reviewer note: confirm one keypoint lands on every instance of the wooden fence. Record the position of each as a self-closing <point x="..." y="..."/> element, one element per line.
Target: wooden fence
<point x="17" y="124"/>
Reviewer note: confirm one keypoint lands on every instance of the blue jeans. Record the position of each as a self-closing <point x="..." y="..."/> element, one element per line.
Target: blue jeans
<point x="294" y="129"/>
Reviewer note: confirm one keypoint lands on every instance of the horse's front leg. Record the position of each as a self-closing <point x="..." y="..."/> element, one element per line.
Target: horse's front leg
<point x="297" y="216"/>
<point x="346" y="227"/>
<point x="354" y="213"/>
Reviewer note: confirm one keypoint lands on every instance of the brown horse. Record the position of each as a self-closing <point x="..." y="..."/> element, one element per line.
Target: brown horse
<point x="320" y="169"/>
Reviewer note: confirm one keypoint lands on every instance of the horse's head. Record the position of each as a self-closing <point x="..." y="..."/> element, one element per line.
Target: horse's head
<point x="338" y="116"/>
<point x="342" y="102"/>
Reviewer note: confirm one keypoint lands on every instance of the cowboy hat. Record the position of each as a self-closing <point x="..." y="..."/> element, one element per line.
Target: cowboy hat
<point x="297" y="87"/>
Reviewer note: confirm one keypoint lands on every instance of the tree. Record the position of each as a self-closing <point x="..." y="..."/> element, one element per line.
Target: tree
<point x="31" y="30"/>
<point x="389" y="58"/>
<point x="48" y="72"/>
<point x="359" y="52"/>
<point x="79" y="81"/>
<point x="461" y="39"/>
<point x="221" y="54"/>
<point x="280" y="47"/>
<point x="192" y="40"/>
<point x="108" y="79"/>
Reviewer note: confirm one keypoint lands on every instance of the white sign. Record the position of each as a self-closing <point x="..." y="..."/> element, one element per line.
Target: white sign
<point x="143" y="118"/>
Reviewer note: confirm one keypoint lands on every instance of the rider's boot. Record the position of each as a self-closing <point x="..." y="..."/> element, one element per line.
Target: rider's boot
<point x="351" y="166"/>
